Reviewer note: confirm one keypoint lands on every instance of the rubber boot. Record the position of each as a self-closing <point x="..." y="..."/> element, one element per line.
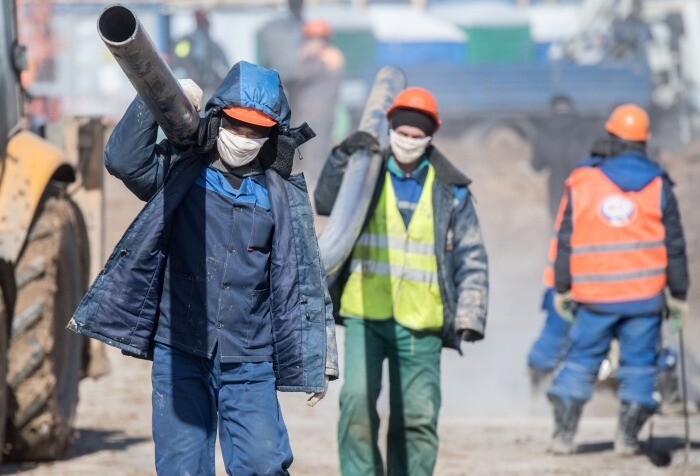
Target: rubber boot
<point x="567" y="414"/>
<point x="632" y="419"/>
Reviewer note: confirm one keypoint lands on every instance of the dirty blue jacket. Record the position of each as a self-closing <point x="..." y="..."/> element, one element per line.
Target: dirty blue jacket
<point x="215" y="297"/>
<point x="121" y="306"/>
<point x="459" y="247"/>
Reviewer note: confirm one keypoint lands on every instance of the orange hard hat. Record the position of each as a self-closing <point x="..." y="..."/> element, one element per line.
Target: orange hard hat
<point x="418" y="99"/>
<point x="249" y="115"/>
<point x="314" y="28"/>
<point x="629" y="122"/>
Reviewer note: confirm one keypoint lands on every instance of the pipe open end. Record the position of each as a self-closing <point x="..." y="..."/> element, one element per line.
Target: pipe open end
<point x="117" y="24"/>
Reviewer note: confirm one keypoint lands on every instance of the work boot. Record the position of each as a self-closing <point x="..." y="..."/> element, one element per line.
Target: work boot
<point x="566" y="416"/>
<point x="632" y="419"/>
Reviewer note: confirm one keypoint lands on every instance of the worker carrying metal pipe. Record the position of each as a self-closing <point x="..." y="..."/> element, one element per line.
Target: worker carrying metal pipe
<point x="416" y="281"/>
<point x="219" y="279"/>
<point x="620" y="245"/>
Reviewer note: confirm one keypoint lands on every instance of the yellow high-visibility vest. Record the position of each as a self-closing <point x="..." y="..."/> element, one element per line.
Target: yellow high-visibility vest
<point x="393" y="270"/>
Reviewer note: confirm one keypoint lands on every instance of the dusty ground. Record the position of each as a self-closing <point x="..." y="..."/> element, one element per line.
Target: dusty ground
<point x="489" y="423"/>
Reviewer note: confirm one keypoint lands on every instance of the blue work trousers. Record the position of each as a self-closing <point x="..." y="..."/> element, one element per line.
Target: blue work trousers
<point x="191" y="395"/>
<point x="551" y="345"/>
<point x="591" y="333"/>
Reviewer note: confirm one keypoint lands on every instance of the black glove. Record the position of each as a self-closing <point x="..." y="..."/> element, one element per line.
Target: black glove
<point x="469" y="335"/>
<point x="357" y="141"/>
<point x="207" y="133"/>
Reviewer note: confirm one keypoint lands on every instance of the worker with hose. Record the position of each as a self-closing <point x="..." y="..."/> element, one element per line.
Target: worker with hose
<point x="219" y="279"/>
<point x="416" y="281"/>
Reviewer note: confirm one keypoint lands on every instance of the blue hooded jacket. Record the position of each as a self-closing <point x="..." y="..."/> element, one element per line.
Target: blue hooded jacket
<point x="632" y="171"/>
<point x="121" y="306"/>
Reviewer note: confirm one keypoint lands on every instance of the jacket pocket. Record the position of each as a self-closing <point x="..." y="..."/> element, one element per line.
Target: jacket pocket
<point x="259" y="331"/>
<point x="176" y="300"/>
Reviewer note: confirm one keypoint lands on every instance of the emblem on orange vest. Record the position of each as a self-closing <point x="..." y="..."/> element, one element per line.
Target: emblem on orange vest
<point x="618" y="210"/>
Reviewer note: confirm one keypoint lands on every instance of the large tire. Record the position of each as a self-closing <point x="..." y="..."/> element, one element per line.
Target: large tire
<point x="45" y="359"/>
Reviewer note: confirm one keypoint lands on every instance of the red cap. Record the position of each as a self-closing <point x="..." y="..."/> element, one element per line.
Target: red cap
<point x="249" y="115"/>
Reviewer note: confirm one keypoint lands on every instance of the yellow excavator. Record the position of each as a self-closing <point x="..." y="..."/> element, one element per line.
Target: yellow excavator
<point x="50" y="232"/>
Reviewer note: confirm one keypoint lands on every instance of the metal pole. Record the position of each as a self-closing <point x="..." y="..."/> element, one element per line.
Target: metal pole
<point x="684" y="390"/>
<point x="152" y="78"/>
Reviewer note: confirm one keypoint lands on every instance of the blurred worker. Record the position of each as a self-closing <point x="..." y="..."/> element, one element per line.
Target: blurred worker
<point x="318" y="81"/>
<point x="40" y="78"/>
<point x="218" y="278"/>
<point x="198" y="57"/>
<point x="620" y="244"/>
<point x="280" y="41"/>
<point x="417" y="280"/>
<point x="549" y="349"/>
<point x="630" y="35"/>
<point x="562" y="140"/>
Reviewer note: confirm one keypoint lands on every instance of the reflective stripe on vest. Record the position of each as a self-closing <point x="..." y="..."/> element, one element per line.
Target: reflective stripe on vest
<point x="618" y="250"/>
<point x="393" y="270"/>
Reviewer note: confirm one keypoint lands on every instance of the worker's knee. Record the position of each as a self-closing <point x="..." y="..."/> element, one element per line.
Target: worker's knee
<point x="355" y="399"/>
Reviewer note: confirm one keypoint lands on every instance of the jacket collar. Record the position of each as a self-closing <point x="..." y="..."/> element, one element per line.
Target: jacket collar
<point x="417" y="173"/>
<point x="444" y="170"/>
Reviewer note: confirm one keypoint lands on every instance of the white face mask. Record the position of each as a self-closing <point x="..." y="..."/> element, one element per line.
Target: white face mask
<point x="235" y="150"/>
<point x="407" y="149"/>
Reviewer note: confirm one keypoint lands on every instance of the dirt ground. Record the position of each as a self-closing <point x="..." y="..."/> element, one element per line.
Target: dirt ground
<point x="490" y="424"/>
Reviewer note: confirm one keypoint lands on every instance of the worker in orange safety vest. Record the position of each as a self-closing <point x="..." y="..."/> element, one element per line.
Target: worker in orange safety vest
<point x="620" y="245"/>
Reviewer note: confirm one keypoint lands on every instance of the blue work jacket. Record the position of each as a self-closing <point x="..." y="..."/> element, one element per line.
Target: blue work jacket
<point x="216" y="288"/>
<point x="121" y="308"/>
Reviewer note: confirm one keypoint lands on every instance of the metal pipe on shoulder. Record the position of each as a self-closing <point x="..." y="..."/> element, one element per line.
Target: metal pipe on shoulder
<point x="152" y="78"/>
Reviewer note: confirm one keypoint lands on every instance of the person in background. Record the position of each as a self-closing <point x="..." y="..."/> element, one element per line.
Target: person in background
<point x="279" y="42"/>
<point x="620" y="246"/>
<point x="318" y="81"/>
<point x="416" y="281"/>
<point x="198" y="57"/>
<point x="549" y="348"/>
<point x="630" y="36"/>
<point x="562" y="140"/>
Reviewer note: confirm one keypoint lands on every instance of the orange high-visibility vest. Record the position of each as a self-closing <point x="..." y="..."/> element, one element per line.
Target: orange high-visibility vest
<point x="618" y="250"/>
<point x="548" y="275"/>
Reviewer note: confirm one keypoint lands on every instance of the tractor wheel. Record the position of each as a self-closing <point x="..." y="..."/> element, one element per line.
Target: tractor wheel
<point x="44" y="358"/>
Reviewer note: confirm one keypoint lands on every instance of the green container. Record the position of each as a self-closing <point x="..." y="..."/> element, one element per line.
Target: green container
<point x="499" y="44"/>
<point x="358" y="46"/>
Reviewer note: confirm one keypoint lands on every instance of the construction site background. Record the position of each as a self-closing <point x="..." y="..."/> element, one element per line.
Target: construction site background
<point x="515" y="56"/>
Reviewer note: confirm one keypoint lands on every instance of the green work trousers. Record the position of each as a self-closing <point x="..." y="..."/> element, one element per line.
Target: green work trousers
<point x="414" y="398"/>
